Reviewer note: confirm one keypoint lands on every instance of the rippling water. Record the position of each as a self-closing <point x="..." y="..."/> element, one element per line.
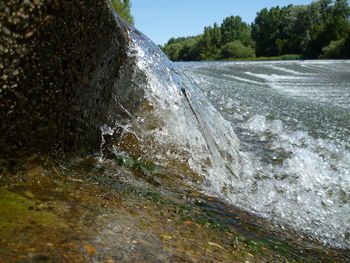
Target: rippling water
<point x="293" y="121"/>
<point x="272" y="138"/>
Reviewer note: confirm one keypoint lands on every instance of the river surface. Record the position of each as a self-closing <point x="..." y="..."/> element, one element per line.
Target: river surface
<point x="272" y="138"/>
<point x="293" y="122"/>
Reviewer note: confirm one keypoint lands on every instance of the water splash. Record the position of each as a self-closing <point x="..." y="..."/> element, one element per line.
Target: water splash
<point x="175" y="127"/>
<point x="286" y="169"/>
<point x="296" y="141"/>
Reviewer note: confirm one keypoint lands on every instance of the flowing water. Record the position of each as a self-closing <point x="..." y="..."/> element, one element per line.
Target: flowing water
<point x="293" y="121"/>
<point x="289" y="161"/>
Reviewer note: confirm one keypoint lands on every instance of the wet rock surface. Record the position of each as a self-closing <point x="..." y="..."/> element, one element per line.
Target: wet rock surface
<point x="59" y="67"/>
<point x="92" y="211"/>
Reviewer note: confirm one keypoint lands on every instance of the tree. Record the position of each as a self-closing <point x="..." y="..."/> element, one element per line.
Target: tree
<point x="204" y="45"/>
<point x="208" y="45"/>
<point x="122" y="8"/>
<point x="186" y="51"/>
<point x="332" y="26"/>
<point x="305" y="30"/>
<point x="318" y="30"/>
<point x="182" y="49"/>
<point x="216" y="36"/>
<point x="335" y="50"/>
<point x="172" y="51"/>
<point x="233" y="28"/>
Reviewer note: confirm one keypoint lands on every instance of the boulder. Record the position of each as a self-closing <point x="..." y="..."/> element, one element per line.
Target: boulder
<point x="59" y="70"/>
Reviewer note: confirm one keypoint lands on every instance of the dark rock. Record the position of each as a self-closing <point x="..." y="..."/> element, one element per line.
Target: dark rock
<point x="60" y="62"/>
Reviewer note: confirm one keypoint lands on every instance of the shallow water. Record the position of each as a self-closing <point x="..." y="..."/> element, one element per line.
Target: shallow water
<point x="289" y="161"/>
<point x="293" y="121"/>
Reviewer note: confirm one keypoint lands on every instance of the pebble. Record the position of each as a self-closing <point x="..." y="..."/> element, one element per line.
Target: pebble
<point x="15" y="73"/>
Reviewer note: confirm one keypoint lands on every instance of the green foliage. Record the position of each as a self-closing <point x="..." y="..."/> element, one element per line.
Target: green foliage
<point x="122" y="8"/>
<point x="333" y="29"/>
<point x="181" y="49"/>
<point x="278" y="31"/>
<point x="336" y="49"/>
<point x="233" y="28"/>
<point x="305" y="30"/>
<point x="134" y="163"/>
<point x="236" y="49"/>
<point x="318" y="30"/>
<point x="289" y="57"/>
<point x="233" y="34"/>
<point x="172" y="51"/>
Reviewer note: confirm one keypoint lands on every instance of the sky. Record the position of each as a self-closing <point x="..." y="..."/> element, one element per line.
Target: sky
<point x="162" y="19"/>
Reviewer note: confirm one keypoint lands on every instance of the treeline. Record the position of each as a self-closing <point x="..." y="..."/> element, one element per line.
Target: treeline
<point x="318" y="30"/>
<point x="232" y="39"/>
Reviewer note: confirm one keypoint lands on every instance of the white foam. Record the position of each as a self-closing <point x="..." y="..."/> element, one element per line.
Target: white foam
<point x="297" y="160"/>
<point x="307" y="197"/>
<point x="242" y="79"/>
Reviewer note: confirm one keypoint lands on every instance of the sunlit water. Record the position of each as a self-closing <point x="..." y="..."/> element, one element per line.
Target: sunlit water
<point x="293" y="121"/>
<point x="291" y="161"/>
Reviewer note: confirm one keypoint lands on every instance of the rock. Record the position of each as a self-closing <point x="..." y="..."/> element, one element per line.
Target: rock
<point x="59" y="72"/>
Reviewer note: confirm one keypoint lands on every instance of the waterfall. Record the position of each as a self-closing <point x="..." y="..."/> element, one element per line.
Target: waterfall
<point x="175" y="127"/>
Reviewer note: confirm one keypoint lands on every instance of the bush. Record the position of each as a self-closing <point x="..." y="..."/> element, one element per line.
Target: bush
<point x="236" y="49"/>
<point x="172" y="51"/>
<point x="290" y="57"/>
<point x="333" y="50"/>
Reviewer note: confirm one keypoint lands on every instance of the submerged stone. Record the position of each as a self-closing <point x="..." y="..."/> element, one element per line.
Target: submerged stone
<point x="18" y="212"/>
<point x="59" y="216"/>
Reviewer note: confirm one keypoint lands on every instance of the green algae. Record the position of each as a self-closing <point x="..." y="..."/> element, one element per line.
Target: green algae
<point x="17" y="211"/>
<point x="141" y="221"/>
<point x="132" y="162"/>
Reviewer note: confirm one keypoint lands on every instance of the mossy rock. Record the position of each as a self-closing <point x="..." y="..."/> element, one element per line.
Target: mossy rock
<point x="18" y="212"/>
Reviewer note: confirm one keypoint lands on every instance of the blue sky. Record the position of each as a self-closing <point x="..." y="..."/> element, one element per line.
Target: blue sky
<point x="163" y="19"/>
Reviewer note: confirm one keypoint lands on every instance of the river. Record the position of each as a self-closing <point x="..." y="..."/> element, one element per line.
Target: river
<point x="272" y="138"/>
<point x="208" y="161"/>
<point x="293" y="122"/>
